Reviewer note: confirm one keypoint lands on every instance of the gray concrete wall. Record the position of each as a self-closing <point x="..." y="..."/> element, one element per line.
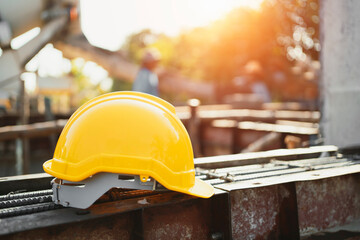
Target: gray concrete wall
<point x="340" y="58"/>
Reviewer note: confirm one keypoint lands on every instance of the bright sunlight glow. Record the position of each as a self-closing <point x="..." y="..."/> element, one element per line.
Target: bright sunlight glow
<point x="107" y="23"/>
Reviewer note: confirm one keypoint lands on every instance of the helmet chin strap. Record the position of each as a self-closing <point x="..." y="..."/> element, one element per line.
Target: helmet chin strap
<point x="84" y="193"/>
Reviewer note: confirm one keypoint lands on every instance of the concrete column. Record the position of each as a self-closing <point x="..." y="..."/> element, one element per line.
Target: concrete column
<point x="340" y="58"/>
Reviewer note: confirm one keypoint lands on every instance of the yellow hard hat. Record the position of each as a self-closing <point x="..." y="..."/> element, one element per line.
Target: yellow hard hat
<point x="127" y="133"/>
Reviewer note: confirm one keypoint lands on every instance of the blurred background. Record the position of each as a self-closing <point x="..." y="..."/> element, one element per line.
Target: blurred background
<point x="261" y="56"/>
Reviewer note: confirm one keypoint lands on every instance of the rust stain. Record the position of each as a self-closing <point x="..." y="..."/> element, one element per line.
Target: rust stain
<point x="254" y="213"/>
<point x="328" y="202"/>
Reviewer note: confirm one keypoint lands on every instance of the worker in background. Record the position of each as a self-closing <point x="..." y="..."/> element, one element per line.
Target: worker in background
<point x="146" y="80"/>
<point x="254" y="75"/>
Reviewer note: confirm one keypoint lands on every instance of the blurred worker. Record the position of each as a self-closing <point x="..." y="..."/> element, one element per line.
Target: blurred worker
<point x="254" y="74"/>
<point x="146" y="80"/>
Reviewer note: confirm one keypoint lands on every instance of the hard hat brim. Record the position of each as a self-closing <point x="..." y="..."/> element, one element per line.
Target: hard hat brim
<point x="201" y="189"/>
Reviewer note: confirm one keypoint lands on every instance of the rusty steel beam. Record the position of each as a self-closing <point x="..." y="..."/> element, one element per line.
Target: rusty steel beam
<point x="282" y="205"/>
<point x="265" y="213"/>
<point x="328" y="202"/>
<point x="283" y="211"/>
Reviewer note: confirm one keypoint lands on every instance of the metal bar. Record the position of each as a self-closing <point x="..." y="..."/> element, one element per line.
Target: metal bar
<point x="241" y="174"/>
<point x="25" y="201"/>
<point x="22" y="210"/>
<point x="262" y="157"/>
<point x="311" y="161"/>
<point x="11" y="196"/>
<point x="299" y="176"/>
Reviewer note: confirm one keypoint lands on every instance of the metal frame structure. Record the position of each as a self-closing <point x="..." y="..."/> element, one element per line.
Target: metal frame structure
<point x="277" y="195"/>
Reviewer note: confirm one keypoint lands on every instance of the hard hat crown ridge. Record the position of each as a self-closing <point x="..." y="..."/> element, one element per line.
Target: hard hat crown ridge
<point x="127" y="133"/>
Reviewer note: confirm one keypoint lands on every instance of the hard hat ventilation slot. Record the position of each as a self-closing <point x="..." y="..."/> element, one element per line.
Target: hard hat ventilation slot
<point x="125" y="177"/>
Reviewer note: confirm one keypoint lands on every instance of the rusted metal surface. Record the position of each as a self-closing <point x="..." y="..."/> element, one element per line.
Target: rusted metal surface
<point x="178" y="218"/>
<point x="328" y="202"/>
<point x="277" y="199"/>
<point x="254" y="213"/>
<point x="193" y="220"/>
<point x="264" y="213"/>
